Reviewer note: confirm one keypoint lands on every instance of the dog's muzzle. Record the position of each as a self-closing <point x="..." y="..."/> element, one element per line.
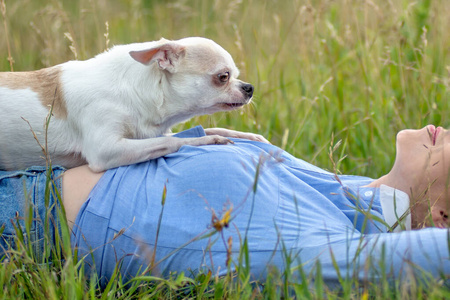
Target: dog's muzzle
<point x="247" y="89"/>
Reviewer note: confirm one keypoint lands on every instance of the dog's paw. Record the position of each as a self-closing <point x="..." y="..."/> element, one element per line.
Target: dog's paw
<point x="217" y="140"/>
<point x="254" y="137"/>
<point x="236" y="134"/>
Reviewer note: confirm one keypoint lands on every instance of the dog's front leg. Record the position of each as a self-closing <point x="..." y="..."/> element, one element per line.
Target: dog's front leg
<point x="111" y="154"/>
<point x="236" y="134"/>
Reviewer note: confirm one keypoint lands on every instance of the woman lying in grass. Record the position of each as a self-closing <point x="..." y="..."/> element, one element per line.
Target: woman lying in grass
<point x="197" y="209"/>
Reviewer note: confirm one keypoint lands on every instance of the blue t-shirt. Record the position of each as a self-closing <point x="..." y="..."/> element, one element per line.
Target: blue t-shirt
<point x="274" y="199"/>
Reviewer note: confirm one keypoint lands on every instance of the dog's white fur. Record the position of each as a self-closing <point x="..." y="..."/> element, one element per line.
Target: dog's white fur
<point x="115" y="108"/>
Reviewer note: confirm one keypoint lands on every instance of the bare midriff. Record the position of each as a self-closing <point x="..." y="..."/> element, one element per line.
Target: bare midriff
<point x="77" y="183"/>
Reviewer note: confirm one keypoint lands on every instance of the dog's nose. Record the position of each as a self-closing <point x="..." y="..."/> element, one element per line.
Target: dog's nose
<point x="248" y="89"/>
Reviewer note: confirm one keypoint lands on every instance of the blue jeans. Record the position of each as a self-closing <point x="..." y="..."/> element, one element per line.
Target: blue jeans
<point x="24" y="207"/>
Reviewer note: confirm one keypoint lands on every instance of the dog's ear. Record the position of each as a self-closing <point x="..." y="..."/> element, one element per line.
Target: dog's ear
<point x="167" y="56"/>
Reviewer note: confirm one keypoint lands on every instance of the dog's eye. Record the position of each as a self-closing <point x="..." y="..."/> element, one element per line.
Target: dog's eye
<point x="223" y="77"/>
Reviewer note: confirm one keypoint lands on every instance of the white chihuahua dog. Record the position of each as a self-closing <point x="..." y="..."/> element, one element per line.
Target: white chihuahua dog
<point x="116" y="108"/>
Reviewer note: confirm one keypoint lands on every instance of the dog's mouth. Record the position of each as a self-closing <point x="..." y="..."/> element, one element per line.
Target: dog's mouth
<point x="234" y="105"/>
<point x="227" y="106"/>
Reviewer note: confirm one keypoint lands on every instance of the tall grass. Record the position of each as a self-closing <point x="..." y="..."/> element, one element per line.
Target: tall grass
<point x="349" y="70"/>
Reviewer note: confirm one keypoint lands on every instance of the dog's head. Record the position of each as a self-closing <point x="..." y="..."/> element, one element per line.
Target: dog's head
<point x="198" y="74"/>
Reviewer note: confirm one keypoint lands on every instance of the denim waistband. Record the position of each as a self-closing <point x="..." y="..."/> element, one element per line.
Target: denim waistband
<point x="29" y="205"/>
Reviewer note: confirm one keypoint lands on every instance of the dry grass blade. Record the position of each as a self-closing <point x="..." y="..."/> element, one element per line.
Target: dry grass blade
<point x="5" y="25"/>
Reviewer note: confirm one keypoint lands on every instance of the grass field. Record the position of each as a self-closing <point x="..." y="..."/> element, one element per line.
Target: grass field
<point x="350" y="70"/>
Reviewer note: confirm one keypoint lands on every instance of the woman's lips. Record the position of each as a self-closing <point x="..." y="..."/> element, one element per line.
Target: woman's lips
<point x="434" y="132"/>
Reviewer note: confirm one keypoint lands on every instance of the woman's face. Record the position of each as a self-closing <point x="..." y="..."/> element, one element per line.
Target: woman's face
<point x="421" y="169"/>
